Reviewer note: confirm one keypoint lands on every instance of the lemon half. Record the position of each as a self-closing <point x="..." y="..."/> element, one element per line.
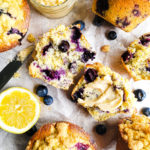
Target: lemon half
<point x="19" y="110"/>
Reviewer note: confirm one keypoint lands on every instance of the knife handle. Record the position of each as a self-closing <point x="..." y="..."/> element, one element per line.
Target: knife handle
<point x="8" y="72"/>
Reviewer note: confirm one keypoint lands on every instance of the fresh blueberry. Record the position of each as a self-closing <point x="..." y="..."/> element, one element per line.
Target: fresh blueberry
<point x="97" y="21"/>
<point x="112" y="35"/>
<point x="41" y="91"/>
<point x="140" y="94"/>
<point x="90" y="75"/>
<point x="64" y="46"/>
<point x="31" y="131"/>
<point x="146" y="111"/>
<point x="48" y="100"/>
<point x="101" y="129"/>
<point x="82" y="24"/>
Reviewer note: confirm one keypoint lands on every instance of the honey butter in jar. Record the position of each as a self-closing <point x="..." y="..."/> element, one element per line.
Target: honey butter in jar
<point x="53" y="8"/>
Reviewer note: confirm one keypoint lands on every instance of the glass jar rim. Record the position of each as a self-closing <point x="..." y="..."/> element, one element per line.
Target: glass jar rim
<point x="50" y="6"/>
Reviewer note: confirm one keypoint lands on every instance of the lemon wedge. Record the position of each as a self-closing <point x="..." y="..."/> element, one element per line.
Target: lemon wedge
<point x="19" y="110"/>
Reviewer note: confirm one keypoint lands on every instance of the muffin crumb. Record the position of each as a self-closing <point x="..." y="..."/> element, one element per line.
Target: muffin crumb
<point x="17" y="75"/>
<point x="31" y="38"/>
<point x="105" y="48"/>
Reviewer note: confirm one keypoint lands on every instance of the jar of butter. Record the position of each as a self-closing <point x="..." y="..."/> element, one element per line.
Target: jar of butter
<point x="53" y="8"/>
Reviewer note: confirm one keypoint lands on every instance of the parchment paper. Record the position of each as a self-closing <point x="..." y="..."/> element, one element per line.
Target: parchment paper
<point x="63" y="109"/>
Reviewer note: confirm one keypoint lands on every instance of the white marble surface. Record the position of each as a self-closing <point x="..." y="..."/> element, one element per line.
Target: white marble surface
<point x="63" y="108"/>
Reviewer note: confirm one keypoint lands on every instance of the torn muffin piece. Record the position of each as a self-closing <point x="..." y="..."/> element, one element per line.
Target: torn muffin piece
<point x="60" y="55"/>
<point x="134" y="133"/>
<point x="136" y="59"/>
<point x="103" y="93"/>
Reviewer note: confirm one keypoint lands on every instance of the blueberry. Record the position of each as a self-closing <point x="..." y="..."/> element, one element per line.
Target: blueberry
<point x="87" y="55"/>
<point x="90" y="75"/>
<point x="31" y="131"/>
<point x="112" y="35"/>
<point x="76" y="34"/>
<point x="126" y="56"/>
<point x="97" y="21"/>
<point x="140" y="94"/>
<point x="82" y="24"/>
<point x="78" y="94"/>
<point x="41" y="91"/>
<point x="45" y="48"/>
<point x="101" y="129"/>
<point x="48" y="100"/>
<point x="64" y="46"/>
<point x="146" y="111"/>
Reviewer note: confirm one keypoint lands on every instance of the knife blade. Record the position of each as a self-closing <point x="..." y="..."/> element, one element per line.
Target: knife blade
<point x="14" y="65"/>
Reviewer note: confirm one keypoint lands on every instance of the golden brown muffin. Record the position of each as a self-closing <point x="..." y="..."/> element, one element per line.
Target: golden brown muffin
<point x="125" y="14"/>
<point x="103" y="92"/>
<point x="14" y="22"/>
<point x="136" y="59"/>
<point x="134" y="133"/>
<point x="60" y="55"/>
<point x="62" y="136"/>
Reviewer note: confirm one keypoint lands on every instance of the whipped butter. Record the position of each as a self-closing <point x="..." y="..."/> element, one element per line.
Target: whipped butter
<point x="104" y="96"/>
<point x="50" y="2"/>
<point x="53" y="8"/>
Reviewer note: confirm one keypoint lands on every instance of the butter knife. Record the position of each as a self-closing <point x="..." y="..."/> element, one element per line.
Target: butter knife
<point x="14" y="65"/>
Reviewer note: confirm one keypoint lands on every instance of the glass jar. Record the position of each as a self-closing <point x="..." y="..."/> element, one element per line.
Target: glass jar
<point x="57" y="11"/>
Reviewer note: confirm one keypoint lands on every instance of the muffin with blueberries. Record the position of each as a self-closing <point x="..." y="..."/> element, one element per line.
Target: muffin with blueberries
<point x="14" y="21"/>
<point x="62" y="136"/>
<point x="136" y="59"/>
<point x="134" y="133"/>
<point x="125" y="14"/>
<point x="103" y="93"/>
<point x="59" y="56"/>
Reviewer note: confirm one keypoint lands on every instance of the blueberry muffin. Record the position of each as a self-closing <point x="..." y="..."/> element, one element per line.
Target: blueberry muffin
<point x="125" y="14"/>
<point x="103" y="92"/>
<point x="136" y="59"/>
<point x="14" y="21"/>
<point x="60" y="55"/>
<point x="61" y="136"/>
<point x="134" y="133"/>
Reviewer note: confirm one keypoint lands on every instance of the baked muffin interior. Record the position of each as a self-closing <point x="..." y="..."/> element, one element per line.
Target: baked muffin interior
<point x="60" y="55"/>
<point x="103" y="92"/>
<point x="137" y="58"/>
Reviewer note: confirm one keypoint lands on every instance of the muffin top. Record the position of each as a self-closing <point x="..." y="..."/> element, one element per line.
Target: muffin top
<point x="14" y="19"/>
<point x="50" y="2"/>
<point x="62" y="136"/>
<point x="136" y="132"/>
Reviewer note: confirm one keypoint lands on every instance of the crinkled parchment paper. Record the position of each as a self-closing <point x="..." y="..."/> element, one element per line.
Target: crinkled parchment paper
<point x="62" y="108"/>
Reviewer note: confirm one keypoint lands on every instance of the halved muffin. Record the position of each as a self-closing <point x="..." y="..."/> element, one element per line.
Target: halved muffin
<point x="134" y="133"/>
<point x="60" y="55"/>
<point x="14" y="22"/>
<point x="62" y="136"/>
<point x="103" y="92"/>
<point x="136" y="59"/>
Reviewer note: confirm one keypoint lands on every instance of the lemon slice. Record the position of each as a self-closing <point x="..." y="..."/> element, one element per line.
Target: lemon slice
<point x="19" y="110"/>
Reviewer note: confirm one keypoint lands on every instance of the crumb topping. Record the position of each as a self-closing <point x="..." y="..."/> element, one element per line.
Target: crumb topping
<point x="136" y="132"/>
<point x="60" y="138"/>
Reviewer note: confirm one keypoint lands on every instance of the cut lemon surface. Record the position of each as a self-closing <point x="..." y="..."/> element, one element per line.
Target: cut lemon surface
<point x="19" y="110"/>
